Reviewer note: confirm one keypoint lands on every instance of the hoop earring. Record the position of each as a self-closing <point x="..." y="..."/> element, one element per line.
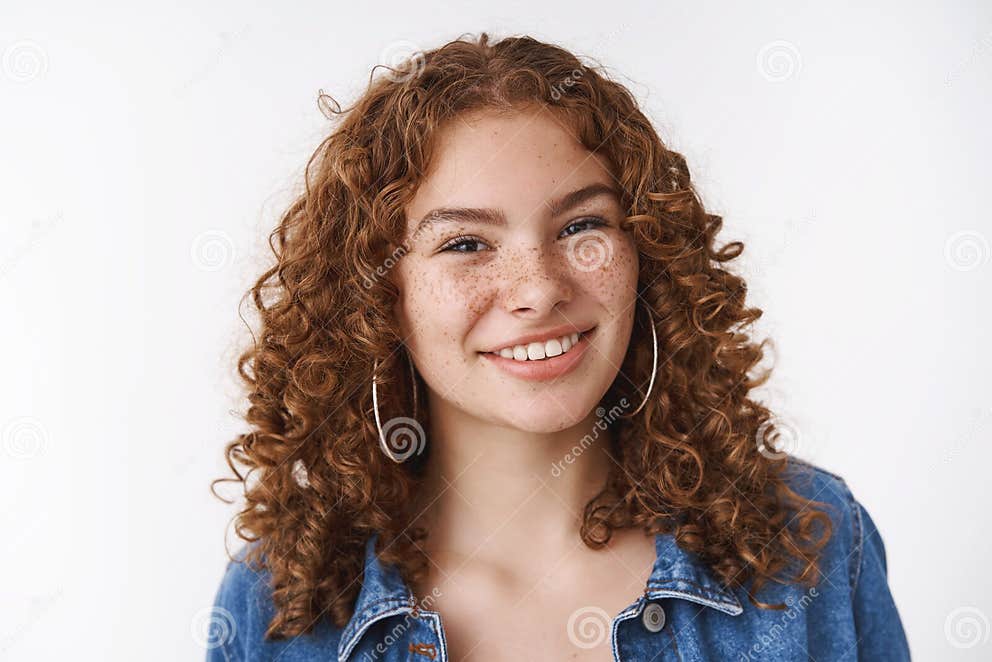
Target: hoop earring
<point x="654" y="367"/>
<point x="378" y="424"/>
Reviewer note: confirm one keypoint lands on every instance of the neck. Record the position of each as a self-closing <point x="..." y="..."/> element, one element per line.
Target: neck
<point x="503" y="496"/>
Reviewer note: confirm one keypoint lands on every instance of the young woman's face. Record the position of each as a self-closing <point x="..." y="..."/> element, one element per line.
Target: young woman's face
<point x="543" y="263"/>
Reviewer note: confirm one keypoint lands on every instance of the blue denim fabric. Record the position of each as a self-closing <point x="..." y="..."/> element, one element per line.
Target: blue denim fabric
<point x="849" y="615"/>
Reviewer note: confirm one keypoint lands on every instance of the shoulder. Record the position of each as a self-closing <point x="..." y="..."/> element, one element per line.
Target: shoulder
<point x="817" y="484"/>
<point x="244" y="582"/>
<point x="242" y="612"/>
<point x="242" y="608"/>
<point x="854" y="570"/>
<point x="849" y="520"/>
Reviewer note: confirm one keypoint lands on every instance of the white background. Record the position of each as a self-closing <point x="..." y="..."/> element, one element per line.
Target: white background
<point x="146" y="154"/>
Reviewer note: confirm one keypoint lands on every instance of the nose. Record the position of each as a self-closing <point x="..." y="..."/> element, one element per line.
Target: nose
<point x="539" y="281"/>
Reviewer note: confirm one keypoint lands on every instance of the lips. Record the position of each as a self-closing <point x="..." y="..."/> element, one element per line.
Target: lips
<point x="543" y="336"/>
<point x="543" y="369"/>
<point x="541" y="350"/>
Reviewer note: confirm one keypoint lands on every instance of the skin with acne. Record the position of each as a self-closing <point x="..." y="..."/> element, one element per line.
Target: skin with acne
<point x="504" y="542"/>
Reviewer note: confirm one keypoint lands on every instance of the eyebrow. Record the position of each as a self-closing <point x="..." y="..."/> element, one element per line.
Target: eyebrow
<point x="557" y="207"/>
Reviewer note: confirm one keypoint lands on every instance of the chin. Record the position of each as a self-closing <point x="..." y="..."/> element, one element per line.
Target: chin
<point x="544" y="415"/>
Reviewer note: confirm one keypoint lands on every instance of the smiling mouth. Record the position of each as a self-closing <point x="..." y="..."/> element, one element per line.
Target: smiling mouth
<point x="537" y="352"/>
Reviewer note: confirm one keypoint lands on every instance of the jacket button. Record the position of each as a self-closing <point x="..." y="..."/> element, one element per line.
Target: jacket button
<point x="653" y="617"/>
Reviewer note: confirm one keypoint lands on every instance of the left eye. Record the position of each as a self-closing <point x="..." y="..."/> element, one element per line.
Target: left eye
<point x="592" y="221"/>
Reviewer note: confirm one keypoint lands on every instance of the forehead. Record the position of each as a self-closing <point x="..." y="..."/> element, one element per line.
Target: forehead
<point x="516" y="162"/>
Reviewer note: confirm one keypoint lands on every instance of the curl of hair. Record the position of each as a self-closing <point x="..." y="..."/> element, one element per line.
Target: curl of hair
<point x="690" y="461"/>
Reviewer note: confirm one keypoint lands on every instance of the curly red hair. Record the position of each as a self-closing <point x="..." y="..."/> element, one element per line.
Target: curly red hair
<point x="689" y="462"/>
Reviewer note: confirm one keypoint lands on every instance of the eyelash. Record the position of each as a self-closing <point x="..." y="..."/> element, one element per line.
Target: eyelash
<point x="591" y="221"/>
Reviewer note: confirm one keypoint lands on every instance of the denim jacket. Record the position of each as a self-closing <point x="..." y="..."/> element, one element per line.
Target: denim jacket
<point x="684" y="613"/>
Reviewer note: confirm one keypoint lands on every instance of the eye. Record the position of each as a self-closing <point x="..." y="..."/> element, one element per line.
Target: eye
<point x="590" y="222"/>
<point x="457" y="244"/>
<point x="464" y="240"/>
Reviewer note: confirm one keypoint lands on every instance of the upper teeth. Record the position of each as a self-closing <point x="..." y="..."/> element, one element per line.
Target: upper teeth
<point x="536" y="351"/>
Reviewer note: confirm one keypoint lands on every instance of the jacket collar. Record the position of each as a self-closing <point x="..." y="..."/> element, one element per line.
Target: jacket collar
<point x="383" y="593"/>
<point x="680" y="574"/>
<point x="675" y="574"/>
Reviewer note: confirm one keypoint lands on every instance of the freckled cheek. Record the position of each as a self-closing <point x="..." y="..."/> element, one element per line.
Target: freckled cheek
<point x="615" y="283"/>
<point x="444" y="303"/>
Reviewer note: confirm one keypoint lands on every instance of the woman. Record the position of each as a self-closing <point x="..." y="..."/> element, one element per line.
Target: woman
<point x="499" y="401"/>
